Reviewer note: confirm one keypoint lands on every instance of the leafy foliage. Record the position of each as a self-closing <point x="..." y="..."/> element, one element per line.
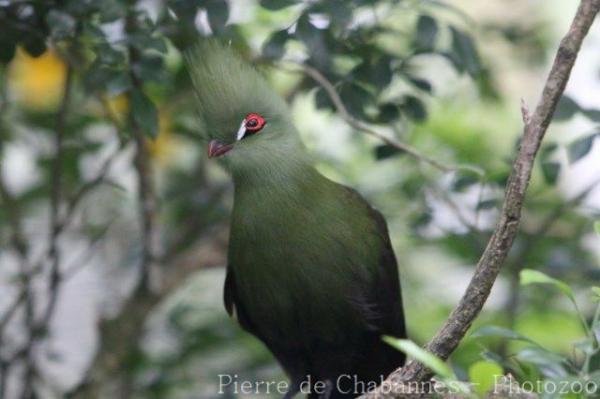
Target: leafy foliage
<point x="365" y="80"/>
<point x="125" y="66"/>
<point x="534" y="361"/>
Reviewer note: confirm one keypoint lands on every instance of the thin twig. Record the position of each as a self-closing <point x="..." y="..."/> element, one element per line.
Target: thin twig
<point x="10" y="311"/>
<point x="148" y="211"/>
<point x="78" y="264"/>
<point x="56" y="199"/>
<point x="6" y="364"/>
<point x="493" y="257"/>
<point x="56" y="226"/>
<point x="363" y="127"/>
<point x="75" y="200"/>
<point x="17" y="238"/>
<point x="148" y="201"/>
<point x="14" y="216"/>
<point x="19" y="243"/>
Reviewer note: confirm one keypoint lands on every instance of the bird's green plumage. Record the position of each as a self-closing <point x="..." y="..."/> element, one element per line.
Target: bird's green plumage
<point x="283" y="233"/>
<point x="311" y="270"/>
<point x="227" y="89"/>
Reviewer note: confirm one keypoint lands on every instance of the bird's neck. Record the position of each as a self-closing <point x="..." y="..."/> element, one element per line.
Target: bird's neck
<point x="273" y="165"/>
<point x="279" y="180"/>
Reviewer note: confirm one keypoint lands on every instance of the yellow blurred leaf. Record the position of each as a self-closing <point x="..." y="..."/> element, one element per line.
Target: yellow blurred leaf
<point x="164" y="146"/>
<point x="37" y="83"/>
<point x="118" y="107"/>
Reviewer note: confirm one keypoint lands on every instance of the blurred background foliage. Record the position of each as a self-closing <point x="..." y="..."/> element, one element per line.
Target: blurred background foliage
<point x="106" y="192"/>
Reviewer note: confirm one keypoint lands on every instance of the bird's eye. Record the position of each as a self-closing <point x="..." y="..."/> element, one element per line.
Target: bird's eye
<point x="251" y="124"/>
<point x="254" y="122"/>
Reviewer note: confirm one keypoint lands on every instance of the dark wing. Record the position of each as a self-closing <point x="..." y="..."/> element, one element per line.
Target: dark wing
<point x="384" y="299"/>
<point x="382" y="308"/>
<point x="233" y="305"/>
<point x="389" y="296"/>
<point x="229" y="293"/>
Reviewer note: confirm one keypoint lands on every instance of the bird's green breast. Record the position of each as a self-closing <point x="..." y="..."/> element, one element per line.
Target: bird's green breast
<point x="302" y="250"/>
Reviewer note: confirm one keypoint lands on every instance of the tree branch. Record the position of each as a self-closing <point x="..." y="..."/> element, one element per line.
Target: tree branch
<point x="493" y="257"/>
<point x="361" y="126"/>
<point x="148" y="202"/>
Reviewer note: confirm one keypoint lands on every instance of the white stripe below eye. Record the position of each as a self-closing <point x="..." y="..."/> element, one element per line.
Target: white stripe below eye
<point x="241" y="131"/>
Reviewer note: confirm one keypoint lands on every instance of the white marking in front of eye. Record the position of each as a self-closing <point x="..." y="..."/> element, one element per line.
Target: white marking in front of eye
<point x="241" y="131"/>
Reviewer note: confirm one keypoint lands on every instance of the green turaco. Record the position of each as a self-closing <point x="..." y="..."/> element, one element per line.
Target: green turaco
<point x="311" y="271"/>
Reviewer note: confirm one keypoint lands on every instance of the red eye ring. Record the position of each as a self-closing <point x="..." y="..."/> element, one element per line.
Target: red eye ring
<point x="254" y="122"/>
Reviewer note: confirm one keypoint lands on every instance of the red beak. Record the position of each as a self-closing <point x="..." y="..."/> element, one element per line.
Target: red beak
<point x="216" y="148"/>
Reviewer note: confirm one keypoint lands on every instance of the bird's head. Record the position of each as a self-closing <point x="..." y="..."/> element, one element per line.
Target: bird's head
<point x="244" y="121"/>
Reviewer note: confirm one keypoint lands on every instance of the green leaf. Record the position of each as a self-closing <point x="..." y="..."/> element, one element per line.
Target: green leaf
<point x="386" y="151"/>
<point x="483" y="375"/>
<point x="388" y="112"/>
<point x="427" y="30"/>
<point x="274" y="47"/>
<point x="597" y="227"/>
<point x="315" y="41"/>
<point x="437" y="365"/>
<point x="529" y="276"/>
<point x="465" y="52"/>
<point x="547" y="150"/>
<point x="150" y="68"/>
<point x="7" y="51"/>
<point x="549" y="363"/>
<point x="414" y="108"/>
<point x="376" y="71"/>
<point x="580" y="147"/>
<point x="111" y="10"/>
<point x="322" y="100"/>
<point x="356" y="98"/>
<point x="551" y="171"/>
<point x="487" y="204"/>
<point x="218" y="14"/>
<point x="109" y="55"/>
<point x="144" y="113"/>
<point x="593" y="114"/>
<point x="275" y="5"/>
<point x="566" y="109"/>
<point x="586" y="346"/>
<point x="185" y="10"/>
<point x="596" y="291"/>
<point x="118" y="83"/>
<point x="421" y="84"/>
<point x="61" y="24"/>
<point x="309" y="34"/>
<point x="143" y="41"/>
<point x="35" y="46"/>
<point x="339" y="10"/>
<point x="463" y="181"/>
<point x="501" y="332"/>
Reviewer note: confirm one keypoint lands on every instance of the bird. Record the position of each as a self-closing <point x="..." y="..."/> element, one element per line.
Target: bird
<point x="311" y="271"/>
